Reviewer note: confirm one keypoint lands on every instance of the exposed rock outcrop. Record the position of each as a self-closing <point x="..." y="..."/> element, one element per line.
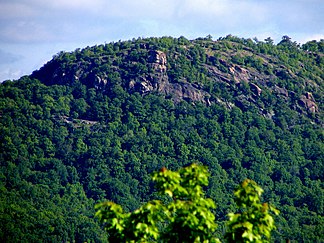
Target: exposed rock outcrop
<point x="251" y="80"/>
<point x="255" y="89"/>
<point x="158" y="61"/>
<point x="100" y="81"/>
<point x="308" y="102"/>
<point x="240" y="74"/>
<point x="281" y="91"/>
<point x="159" y="81"/>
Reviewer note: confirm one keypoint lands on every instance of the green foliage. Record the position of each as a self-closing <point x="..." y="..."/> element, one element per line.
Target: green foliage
<point x="189" y="214"/>
<point x="78" y="123"/>
<point x="185" y="217"/>
<point x="255" y="223"/>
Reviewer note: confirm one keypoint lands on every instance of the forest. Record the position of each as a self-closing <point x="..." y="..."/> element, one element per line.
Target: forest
<point x="93" y="125"/>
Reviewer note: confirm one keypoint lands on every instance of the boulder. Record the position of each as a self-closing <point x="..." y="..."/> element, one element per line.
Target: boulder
<point x="308" y="102"/>
<point x="281" y="91"/>
<point x="158" y="61"/>
<point x="255" y="89"/>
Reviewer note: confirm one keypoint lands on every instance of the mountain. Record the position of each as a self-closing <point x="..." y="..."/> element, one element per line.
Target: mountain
<point x="93" y="124"/>
<point x="194" y="70"/>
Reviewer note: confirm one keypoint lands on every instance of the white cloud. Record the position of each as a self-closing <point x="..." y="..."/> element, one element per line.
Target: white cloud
<point x="23" y="31"/>
<point x="204" y="7"/>
<point x="72" y="4"/>
<point x="9" y="10"/>
<point x="60" y="20"/>
<point x="50" y="5"/>
<point x="305" y="38"/>
<point x="139" y="9"/>
<point x="8" y="57"/>
<point x="10" y="74"/>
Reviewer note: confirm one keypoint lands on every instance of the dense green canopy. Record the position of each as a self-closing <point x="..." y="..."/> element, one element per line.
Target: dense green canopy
<point x="94" y="124"/>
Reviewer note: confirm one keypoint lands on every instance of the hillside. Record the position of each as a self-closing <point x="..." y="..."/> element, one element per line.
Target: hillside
<point x="93" y="124"/>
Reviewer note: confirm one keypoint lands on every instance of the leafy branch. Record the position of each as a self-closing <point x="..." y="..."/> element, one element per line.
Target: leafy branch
<point x="188" y="217"/>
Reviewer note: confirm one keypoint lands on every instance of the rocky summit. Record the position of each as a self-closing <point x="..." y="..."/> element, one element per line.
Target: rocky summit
<point x="249" y="71"/>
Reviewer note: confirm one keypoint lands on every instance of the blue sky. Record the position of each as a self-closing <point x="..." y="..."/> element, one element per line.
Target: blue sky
<point x="32" y="31"/>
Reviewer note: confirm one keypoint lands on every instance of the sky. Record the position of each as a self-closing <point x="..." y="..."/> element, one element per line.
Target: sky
<point x="33" y="31"/>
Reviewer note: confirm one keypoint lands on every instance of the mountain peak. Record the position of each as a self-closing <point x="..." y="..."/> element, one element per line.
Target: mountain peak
<point x="230" y="69"/>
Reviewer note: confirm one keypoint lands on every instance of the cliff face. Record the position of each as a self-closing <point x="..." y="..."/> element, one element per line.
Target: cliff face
<point x="159" y="81"/>
<point x="228" y="71"/>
